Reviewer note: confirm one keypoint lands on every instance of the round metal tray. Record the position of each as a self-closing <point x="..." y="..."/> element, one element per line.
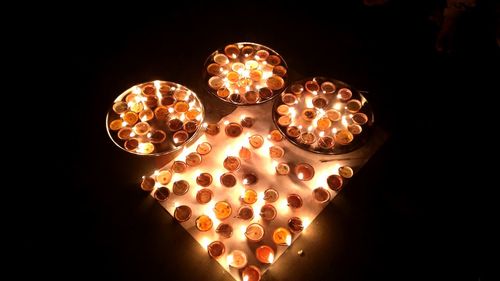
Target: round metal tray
<point x="304" y="100"/>
<point x="246" y="85"/>
<point x="176" y="93"/>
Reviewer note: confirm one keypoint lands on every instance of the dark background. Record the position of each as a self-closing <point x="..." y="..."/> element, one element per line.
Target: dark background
<point x="412" y="212"/>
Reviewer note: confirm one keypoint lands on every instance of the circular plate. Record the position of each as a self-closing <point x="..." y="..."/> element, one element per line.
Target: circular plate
<point x="310" y="107"/>
<point x="154" y="118"/>
<point x="245" y="74"/>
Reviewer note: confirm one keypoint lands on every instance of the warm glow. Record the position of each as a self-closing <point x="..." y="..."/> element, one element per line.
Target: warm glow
<point x="243" y="117"/>
<point x="337" y="106"/>
<point x="124" y="124"/>
<point x="176" y="140"/>
<point x="245" y="278"/>
<point x="270" y="258"/>
<point x="321" y="134"/>
<point x="176" y="204"/>
<point x="171" y="110"/>
<point x="205" y="241"/>
<point x="229" y="259"/>
<point x="334" y="130"/>
<point x="245" y="181"/>
<point x="310" y="128"/>
<point x="306" y="222"/>
<point x="136" y="90"/>
<point x="157" y="84"/>
<point x="226" y="122"/>
<point x="204" y="125"/>
<point x="243" y="230"/>
<point x="132" y="134"/>
<point x="344" y="121"/>
<point x="283" y="205"/>
<point x="300" y="176"/>
<point x="149" y="135"/>
<point x="309" y="102"/>
<point x="289" y="240"/>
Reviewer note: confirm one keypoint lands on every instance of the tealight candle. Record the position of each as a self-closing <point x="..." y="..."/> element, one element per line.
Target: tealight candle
<point x="250" y="273"/>
<point x="232" y="163"/>
<point x="237" y="66"/>
<point x="130" y="98"/>
<point x="136" y="107"/>
<point x="157" y="136"/>
<point x="120" y="107"/>
<point x="131" y="144"/>
<point x="328" y="87"/>
<point x="265" y="93"/>
<point x="204" y="223"/>
<point x="321" y="195"/>
<point x="247" y="122"/>
<point x="174" y="124"/>
<point x="161" y="194"/>
<point x="146" y="148"/>
<point x="224" y="230"/>
<point x="212" y="129"/>
<point x="276" y="135"/>
<point x="304" y="171"/>
<point x="203" y="196"/>
<point x="233" y="129"/>
<point x="148" y="183"/>
<point x="343" y="137"/>
<point x="237" y="259"/>
<point x="326" y="142"/>
<point x="193" y="159"/>
<point x="161" y="113"/>
<point x="334" y="182"/>
<point x="276" y="152"/>
<point x="345" y="94"/>
<point x="333" y="115"/>
<point x="179" y="167"/>
<point x="204" y="179"/>
<point x="295" y="224"/>
<point x="312" y="86"/>
<point x="360" y="118"/>
<point x="271" y="195"/>
<point x="164" y="177"/>
<point x="281" y="236"/>
<point x="293" y="131"/>
<point x="203" y="148"/>
<point x="180" y="187"/>
<point x="247" y="51"/>
<point x="268" y="212"/>
<point x="130" y="118"/>
<point x="289" y="99"/>
<point x="353" y="106"/>
<point x="284" y="120"/>
<point x="254" y="232"/>
<point x="250" y="196"/>
<point x="346" y="172"/>
<point x="355" y="129"/>
<point x="249" y="179"/>
<point x="245" y="153"/>
<point x="124" y="133"/>
<point x="182" y="213"/>
<point x="264" y="254"/>
<point x="228" y="179"/>
<point x="282" y="168"/>
<point x="245" y="212"/>
<point x="216" y="249"/>
<point x="222" y="210"/>
<point x="215" y="82"/>
<point x="294" y="201"/>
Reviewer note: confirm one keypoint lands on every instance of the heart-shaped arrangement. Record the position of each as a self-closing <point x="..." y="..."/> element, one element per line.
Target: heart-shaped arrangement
<point x="245" y="194"/>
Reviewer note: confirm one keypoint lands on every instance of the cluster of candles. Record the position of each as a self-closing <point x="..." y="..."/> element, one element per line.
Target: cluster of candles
<point x="246" y="73"/>
<point x="154" y="117"/>
<point x="217" y="218"/>
<point x="318" y="115"/>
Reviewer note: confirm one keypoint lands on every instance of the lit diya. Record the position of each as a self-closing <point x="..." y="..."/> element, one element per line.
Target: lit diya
<point x="203" y="223"/>
<point x="276" y="152"/>
<point x="161" y="194"/>
<point x="304" y="171"/>
<point x="148" y="183"/>
<point x="182" y="213"/>
<point x="295" y="224"/>
<point x="268" y="212"/>
<point x="164" y="177"/>
<point x="180" y="187"/>
<point x="222" y="210"/>
<point x="228" y="179"/>
<point x="256" y="141"/>
<point x="321" y="195"/>
<point x="233" y="130"/>
<point x="275" y="135"/>
<point x="254" y="232"/>
<point x="283" y="169"/>
<point x="334" y="182"/>
<point x="249" y="179"/>
<point x="294" y="201"/>
<point x="249" y="196"/>
<point x="346" y="172"/>
<point x="216" y="249"/>
<point x="245" y="212"/>
<point x="224" y="230"/>
<point x="203" y="148"/>
<point x="264" y="254"/>
<point x="251" y="273"/>
<point x="212" y="129"/>
<point x="232" y="163"/>
<point x="271" y="195"/>
<point x="245" y="73"/>
<point x="237" y="259"/>
<point x="247" y="122"/>
<point x="281" y="236"/>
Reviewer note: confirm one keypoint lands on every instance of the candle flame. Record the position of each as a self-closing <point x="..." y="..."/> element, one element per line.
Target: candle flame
<point x="309" y="102"/>
<point x="156" y="173"/>
<point x="339" y="96"/>
<point x="245" y="278"/>
<point x="124" y="124"/>
<point x="300" y="127"/>
<point x="243" y="116"/>
<point x="136" y="90"/>
<point x="334" y="130"/>
<point x="205" y="241"/>
<point x="121" y="115"/>
<point x="230" y="259"/>
<point x="344" y="121"/>
<point x="270" y="258"/>
<point x="337" y="106"/>
<point x="157" y="84"/>
<point x="269" y="136"/>
<point x="171" y="109"/>
<point x="310" y="128"/>
<point x="176" y="140"/>
<point x="306" y="222"/>
<point x="321" y="134"/>
<point x="204" y="125"/>
<point x="132" y="134"/>
<point x="226" y="122"/>
<point x="149" y="135"/>
<point x="289" y="240"/>
<point x="300" y="176"/>
<point x="245" y="181"/>
<point x="176" y="204"/>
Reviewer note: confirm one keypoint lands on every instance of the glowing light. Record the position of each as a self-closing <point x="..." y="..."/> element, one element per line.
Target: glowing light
<point x="245" y="278"/>
<point x="283" y="205"/>
<point x="289" y="240"/>
<point x="270" y="259"/>
<point x="182" y="117"/>
<point x="226" y="122"/>
<point x="321" y="134"/>
<point x="309" y="102"/>
<point x="344" y="121"/>
<point x="121" y="115"/>
<point x="229" y="259"/>
<point x="268" y="136"/>
<point x="136" y="90"/>
<point x="124" y="124"/>
<point x="132" y="134"/>
<point x="339" y="96"/>
<point x="176" y="140"/>
<point x="176" y="204"/>
<point x="300" y="127"/>
<point x="350" y="116"/>
<point x="205" y="241"/>
<point x="337" y="106"/>
<point x="204" y="125"/>
<point x="300" y="176"/>
<point x="306" y="222"/>
<point x="310" y="128"/>
<point x="157" y="84"/>
<point x="292" y="112"/>
<point x="243" y="117"/>
<point x="156" y="173"/>
<point x="171" y="109"/>
<point x="245" y="181"/>
<point x="334" y="130"/>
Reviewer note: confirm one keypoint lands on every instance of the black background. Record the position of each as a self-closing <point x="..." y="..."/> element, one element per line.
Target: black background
<point x="411" y="213"/>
